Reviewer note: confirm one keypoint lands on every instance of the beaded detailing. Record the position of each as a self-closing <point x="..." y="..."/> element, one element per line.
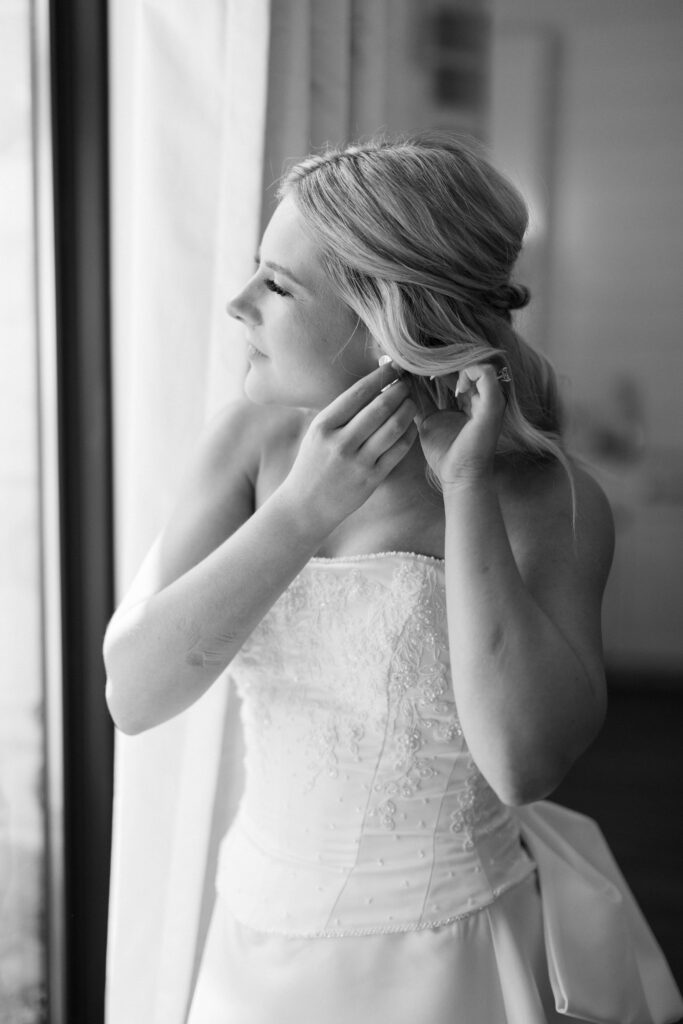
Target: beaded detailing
<point x="363" y="810"/>
<point x="415" y="926"/>
<point x="472" y="799"/>
<point x="379" y="554"/>
<point x="362" y="617"/>
<point x="420" y="697"/>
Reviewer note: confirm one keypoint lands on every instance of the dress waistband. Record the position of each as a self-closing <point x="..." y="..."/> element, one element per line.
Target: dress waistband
<point x="394" y="883"/>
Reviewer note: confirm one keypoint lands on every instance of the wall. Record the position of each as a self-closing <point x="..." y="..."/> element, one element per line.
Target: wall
<point x="607" y="148"/>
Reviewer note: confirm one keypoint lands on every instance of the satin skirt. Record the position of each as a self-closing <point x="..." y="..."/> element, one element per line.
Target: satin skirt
<point x="487" y="968"/>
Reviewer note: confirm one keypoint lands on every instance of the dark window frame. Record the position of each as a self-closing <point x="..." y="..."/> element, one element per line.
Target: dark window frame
<point x="80" y="101"/>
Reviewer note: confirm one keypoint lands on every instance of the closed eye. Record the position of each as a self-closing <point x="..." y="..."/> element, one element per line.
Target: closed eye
<point x="270" y="284"/>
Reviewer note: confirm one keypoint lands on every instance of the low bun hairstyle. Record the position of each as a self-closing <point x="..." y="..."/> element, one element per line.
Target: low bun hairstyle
<point x="419" y="236"/>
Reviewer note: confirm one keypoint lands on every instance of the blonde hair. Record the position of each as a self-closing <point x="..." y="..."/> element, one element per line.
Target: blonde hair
<point x="419" y="236"/>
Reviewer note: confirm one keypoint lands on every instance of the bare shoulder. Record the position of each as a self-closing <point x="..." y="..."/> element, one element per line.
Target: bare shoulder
<point x="217" y="492"/>
<point x="239" y="435"/>
<point x="554" y="520"/>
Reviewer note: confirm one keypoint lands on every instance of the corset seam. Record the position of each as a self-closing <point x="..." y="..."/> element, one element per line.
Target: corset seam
<point x="368" y="803"/>
<point x="436" y="825"/>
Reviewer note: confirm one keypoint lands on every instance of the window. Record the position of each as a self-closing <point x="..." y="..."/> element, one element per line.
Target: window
<point x="55" y="522"/>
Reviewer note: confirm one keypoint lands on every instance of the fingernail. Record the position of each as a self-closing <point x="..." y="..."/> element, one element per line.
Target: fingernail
<point x="387" y="386"/>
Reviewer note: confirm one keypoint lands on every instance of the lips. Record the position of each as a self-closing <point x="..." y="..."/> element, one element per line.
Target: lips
<point x="254" y="351"/>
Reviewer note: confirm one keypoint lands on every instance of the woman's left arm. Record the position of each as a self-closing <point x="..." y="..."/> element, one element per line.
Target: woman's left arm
<point x="524" y="622"/>
<point x="524" y="592"/>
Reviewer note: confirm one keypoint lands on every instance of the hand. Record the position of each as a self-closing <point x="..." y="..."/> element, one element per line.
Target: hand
<point x="351" y="446"/>
<point x="460" y="445"/>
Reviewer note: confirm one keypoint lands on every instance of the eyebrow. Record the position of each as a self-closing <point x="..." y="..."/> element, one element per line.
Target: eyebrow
<point x="279" y="267"/>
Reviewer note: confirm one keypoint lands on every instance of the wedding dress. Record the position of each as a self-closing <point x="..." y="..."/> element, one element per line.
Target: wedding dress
<point x="371" y="874"/>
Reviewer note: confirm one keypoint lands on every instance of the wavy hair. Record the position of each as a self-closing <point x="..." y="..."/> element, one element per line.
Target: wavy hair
<point x="419" y="236"/>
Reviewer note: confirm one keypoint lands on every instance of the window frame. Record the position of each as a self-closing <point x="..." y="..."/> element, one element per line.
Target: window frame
<point x="71" y="189"/>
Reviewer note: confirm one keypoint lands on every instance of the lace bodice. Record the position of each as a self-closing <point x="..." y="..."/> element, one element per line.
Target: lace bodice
<point x="363" y="810"/>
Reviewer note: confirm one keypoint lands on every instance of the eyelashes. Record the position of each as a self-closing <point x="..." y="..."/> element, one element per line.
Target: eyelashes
<point x="270" y="284"/>
<point x="268" y="281"/>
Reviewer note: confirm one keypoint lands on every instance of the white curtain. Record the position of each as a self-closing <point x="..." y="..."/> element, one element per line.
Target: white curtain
<point x="210" y="102"/>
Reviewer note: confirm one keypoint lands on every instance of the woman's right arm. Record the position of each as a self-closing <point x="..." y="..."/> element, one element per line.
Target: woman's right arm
<point x="220" y="566"/>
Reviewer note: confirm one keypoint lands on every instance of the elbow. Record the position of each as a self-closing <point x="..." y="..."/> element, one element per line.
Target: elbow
<point x="516" y="795"/>
<point x="531" y="782"/>
<point x="535" y="772"/>
<point x="122" y="717"/>
<point x="139" y="694"/>
<point x="117" y="694"/>
<point x="536" y="780"/>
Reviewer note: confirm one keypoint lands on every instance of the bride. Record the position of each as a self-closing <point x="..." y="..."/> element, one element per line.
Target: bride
<point x="390" y="547"/>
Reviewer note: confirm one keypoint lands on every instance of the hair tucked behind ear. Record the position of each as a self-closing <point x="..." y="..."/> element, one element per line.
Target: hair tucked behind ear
<point x="419" y="236"/>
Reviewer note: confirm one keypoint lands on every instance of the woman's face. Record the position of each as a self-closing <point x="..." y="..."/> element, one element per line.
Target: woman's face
<point x="305" y="345"/>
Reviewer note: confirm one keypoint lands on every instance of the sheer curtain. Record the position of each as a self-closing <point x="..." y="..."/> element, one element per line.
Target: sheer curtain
<point x="210" y="101"/>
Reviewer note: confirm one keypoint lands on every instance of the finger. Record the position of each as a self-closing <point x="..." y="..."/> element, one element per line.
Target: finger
<point x="376" y="413"/>
<point x="350" y="402"/>
<point x="463" y="385"/>
<point x="479" y="377"/>
<point x="390" y="431"/>
<point x="398" y="451"/>
<point x="426" y="406"/>
<point x="451" y="380"/>
<point x="478" y="371"/>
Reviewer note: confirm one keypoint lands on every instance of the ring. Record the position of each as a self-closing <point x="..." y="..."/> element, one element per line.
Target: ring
<point x="504" y="375"/>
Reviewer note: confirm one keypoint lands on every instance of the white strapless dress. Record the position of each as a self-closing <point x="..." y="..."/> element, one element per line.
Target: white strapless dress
<point x="371" y="874"/>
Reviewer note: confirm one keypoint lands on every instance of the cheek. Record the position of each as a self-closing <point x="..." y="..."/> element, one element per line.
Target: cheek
<point x="352" y="355"/>
<point x="344" y="345"/>
<point x="321" y="356"/>
<point x="332" y="368"/>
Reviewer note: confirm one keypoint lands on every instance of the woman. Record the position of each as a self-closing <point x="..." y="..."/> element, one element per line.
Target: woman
<point x="349" y="534"/>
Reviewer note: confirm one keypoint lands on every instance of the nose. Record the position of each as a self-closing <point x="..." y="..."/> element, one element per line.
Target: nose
<point x="241" y="307"/>
<point x="235" y="308"/>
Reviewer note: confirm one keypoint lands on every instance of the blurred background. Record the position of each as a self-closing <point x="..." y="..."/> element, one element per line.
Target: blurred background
<point x="136" y="146"/>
